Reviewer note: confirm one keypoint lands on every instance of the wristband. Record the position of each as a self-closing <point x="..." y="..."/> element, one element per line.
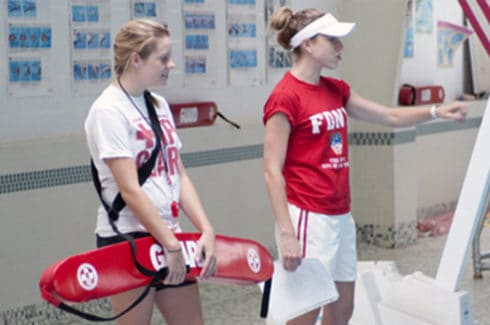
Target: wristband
<point x="433" y="112"/>
<point x="173" y="251"/>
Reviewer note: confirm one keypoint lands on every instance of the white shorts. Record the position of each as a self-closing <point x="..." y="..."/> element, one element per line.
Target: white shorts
<point x="331" y="239"/>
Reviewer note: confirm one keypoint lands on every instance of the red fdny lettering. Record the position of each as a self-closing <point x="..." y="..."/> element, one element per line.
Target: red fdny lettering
<point x="335" y="119"/>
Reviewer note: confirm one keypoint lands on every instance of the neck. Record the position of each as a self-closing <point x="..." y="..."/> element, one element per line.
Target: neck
<point x="306" y="76"/>
<point x="130" y="85"/>
<point x="307" y="72"/>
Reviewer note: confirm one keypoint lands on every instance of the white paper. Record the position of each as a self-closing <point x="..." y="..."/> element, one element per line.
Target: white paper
<point x="295" y="293"/>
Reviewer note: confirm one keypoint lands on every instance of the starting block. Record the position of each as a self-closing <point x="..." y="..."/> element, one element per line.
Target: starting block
<point x="384" y="297"/>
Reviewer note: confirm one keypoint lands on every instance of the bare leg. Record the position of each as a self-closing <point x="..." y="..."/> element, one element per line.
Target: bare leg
<point x="340" y="311"/>
<point x="180" y="305"/>
<point x="141" y="314"/>
<point x="306" y="319"/>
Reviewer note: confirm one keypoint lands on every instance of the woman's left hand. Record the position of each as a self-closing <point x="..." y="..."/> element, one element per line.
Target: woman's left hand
<point x="455" y="111"/>
<point x="206" y="249"/>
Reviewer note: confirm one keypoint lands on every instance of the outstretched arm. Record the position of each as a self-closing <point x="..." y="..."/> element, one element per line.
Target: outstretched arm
<point x="364" y="109"/>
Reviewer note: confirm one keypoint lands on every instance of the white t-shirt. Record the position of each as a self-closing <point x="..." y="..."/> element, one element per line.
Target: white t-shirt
<point x="115" y="128"/>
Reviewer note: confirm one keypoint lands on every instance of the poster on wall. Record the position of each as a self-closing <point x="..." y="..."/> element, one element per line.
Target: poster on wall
<point x="243" y="43"/>
<point x="449" y="38"/>
<point x="200" y="61"/>
<point x="155" y="10"/>
<point x="409" y="30"/>
<point x="90" y="45"/>
<point x="423" y="16"/>
<point x="279" y="60"/>
<point x="29" y="48"/>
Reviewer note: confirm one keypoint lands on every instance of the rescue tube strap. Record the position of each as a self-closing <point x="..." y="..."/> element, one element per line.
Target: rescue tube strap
<point x="266" y="294"/>
<point x="158" y="277"/>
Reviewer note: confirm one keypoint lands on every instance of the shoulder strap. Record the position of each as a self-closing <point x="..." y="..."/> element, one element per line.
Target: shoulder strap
<point x="118" y="204"/>
<point x="143" y="172"/>
<point x="266" y="294"/>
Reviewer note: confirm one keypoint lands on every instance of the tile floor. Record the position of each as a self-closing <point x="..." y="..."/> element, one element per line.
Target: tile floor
<point x="230" y="305"/>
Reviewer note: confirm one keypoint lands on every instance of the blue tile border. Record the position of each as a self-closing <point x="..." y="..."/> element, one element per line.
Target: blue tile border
<point x="44" y="178"/>
<point x="407" y="136"/>
<point x="25" y="181"/>
<point x="32" y="180"/>
<point x="220" y="156"/>
<point x="381" y="138"/>
<point x="441" y="127"/>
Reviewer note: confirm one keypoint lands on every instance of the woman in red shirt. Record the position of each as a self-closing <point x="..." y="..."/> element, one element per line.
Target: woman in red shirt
<point x="306" y="160"/>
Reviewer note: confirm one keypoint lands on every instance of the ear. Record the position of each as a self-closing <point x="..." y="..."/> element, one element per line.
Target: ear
<point x="306" y="46"/>
<point x="135" y="59"/>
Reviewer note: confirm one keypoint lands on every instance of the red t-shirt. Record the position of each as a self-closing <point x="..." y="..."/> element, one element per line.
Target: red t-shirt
<point x="316" y="168"/>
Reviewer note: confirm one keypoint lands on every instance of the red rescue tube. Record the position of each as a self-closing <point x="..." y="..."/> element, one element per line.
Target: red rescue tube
<point x="110" y="270"/>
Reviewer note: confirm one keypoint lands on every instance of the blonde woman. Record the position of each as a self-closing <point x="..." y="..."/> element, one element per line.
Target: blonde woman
<point x="120" y="139"/>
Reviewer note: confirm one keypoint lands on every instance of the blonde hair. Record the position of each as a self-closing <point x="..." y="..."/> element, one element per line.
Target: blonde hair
<point x="287" y="24"/>
<point x="140" y="36"/>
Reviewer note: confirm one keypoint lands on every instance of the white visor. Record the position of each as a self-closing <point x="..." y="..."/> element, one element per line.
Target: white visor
<point x="325" y="25"/>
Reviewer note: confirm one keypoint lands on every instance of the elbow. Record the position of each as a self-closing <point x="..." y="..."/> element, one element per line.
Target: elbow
<point x="268" y="174"/>
<point x="268" y="177"/>
<point x="273" y="177"/>
<point x="128" y="194"/>
<point x="394" y="120"/>
<point x="393" y="124"/>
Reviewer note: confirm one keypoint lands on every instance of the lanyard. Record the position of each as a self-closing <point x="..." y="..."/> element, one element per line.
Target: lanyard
<point x="162" y="143"/>
<point x="174" y="205"/>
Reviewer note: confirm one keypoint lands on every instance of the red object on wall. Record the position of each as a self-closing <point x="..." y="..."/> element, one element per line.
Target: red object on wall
<point x="411" y="95"/>
<point x="194" y="114"/>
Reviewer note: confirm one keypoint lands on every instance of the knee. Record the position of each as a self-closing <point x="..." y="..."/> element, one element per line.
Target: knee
<point x="346" y="312"/>
<point x="338" y="313"/>
<point x="343" y="312"/>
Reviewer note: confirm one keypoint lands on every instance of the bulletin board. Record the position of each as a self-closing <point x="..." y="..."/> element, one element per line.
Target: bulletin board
<point x="50" y="82"/>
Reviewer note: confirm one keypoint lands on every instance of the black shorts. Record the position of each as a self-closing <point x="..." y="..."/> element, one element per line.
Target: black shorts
<point x="105" y="241"/>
